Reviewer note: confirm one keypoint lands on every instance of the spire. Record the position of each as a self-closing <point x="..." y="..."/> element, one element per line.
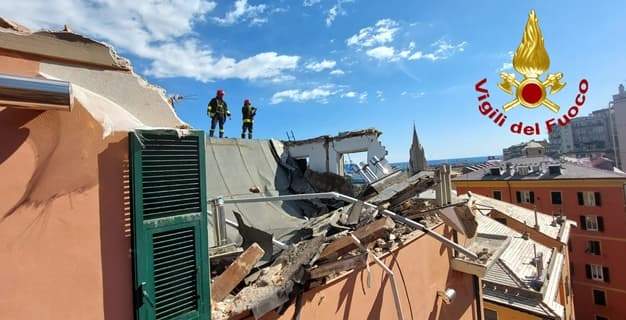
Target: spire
<point x="417" y="161"/>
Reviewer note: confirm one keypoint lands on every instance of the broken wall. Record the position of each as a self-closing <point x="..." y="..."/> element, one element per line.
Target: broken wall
<point x="325" y="153"/>
<point x="65" y="240"/>
<point x="92" y="65"/>
<point x="421" y="267"/>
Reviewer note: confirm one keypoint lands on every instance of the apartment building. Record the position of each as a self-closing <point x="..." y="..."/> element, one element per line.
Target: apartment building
<point x="585" y="136"/>
<point x="618" y="106"/>
<point x="594" y="198"/>
<point x="521" y="149"/>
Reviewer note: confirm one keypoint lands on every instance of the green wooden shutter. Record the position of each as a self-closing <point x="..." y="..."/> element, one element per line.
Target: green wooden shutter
<point x="169" y="219"/>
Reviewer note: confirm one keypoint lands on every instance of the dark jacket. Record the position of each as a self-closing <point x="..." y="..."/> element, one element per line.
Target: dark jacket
<point x="248" y="113"/>
<point x="218" y="107"/>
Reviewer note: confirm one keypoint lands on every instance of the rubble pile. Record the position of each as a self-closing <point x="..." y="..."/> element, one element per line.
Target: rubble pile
<point x="322" y="257"/>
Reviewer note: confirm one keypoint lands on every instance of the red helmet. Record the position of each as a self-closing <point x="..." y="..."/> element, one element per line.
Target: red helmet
<point x="220" y="93"/>
<point x="246" y="102"/>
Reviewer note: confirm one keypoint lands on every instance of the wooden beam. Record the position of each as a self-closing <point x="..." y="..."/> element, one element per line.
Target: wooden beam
<point x="239" y="269"/>
<point x="338" y="266"/>
<point x="365" y="234"/>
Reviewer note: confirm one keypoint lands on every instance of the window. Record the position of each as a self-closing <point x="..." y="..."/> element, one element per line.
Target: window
<point x="599" y="297"/>
<point x="601" y="318"/>
<point x="589" y="199"/>
<point x="592" y="223"/>
<point x="556" y="197"/>
<point x="597" y="272"/>
<point x="497" y="195"/>
<point x="525" y="196"/>
<point x="490" y="314"/>
<point x="593" y="247"/>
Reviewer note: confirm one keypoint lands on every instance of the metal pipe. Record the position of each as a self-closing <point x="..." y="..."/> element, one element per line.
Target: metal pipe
<point x="394" y="287"/>
<point x="362" y="173"/>
<point x="335" y="195"/>
<point x="367" y="171"/>
<point x="371" y="172"/>
<point x="376" y="161"/>
<point x="219" y="221"/>
<point x="31" y="93"/>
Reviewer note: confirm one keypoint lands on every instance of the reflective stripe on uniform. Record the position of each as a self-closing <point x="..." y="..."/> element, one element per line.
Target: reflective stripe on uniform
<point x="247" y="120"/>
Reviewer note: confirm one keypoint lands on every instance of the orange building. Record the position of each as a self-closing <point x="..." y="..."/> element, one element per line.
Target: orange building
<point x="592" y="197"/>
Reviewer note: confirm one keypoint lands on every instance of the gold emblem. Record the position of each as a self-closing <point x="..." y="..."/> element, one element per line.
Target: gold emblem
<point x="531" y="60"/>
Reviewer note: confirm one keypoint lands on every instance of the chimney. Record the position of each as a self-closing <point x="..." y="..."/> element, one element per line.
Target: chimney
<point x="538" y="262"/>
<point x="444" y="189"/>
<point x="536" y="220"/>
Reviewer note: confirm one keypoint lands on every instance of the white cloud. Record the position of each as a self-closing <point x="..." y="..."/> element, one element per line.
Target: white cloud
<point x="310" y="3"/>
<point x="443" y="50"/>
<point x="321" y="66"/>
<point x="363" y="97"/>
<point x="336" y="10"/>
<point x="378" y="43"/>
<point x="160" y="32"/>
<point x="190" y="60"/>
<point x="319" y="94"/>
<point x="507" y="65"/>
<point x="381" y="53"/>
<point x="380" y="95"/>
<point x="337" y="72"/>
<point x="413" y="95"/>
<point x="381" y="33"/>
<point x="242" y="11"/>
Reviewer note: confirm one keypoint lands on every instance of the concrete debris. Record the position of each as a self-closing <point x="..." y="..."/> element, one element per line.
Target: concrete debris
<point x="274" y="284"/>
<point x="316" y="258"/>
<point x="227" y="281"/>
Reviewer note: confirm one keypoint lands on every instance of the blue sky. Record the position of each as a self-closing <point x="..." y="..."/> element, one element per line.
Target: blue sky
<point x="320" y="67"/>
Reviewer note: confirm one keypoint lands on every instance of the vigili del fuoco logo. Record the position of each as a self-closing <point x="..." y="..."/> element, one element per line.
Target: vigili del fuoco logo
<point x="531" y="91"/>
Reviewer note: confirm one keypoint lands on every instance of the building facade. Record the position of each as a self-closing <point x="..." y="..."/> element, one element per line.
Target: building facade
<point x="618" y="105"/>
<point x="584" y="137"/>
<point x="594" y="198"/>
<point x="517" y="150"/>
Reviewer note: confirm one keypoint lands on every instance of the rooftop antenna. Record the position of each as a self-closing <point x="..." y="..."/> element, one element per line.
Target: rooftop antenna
<point x="290" y="137"/>
<point x="536" y="218"/>
<point x="173" y="99"/>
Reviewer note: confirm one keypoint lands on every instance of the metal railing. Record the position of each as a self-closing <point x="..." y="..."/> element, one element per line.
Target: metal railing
<point x="338" y="196"/>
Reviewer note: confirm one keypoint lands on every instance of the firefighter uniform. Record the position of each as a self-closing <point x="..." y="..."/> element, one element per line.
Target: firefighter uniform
<point x="248" y="112"/>
<point x="218" y="111"/>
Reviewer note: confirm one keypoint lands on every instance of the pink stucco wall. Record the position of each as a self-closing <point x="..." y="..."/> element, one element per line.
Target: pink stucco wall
<point x="64" y="238"/>
<point x="421" y="267"/>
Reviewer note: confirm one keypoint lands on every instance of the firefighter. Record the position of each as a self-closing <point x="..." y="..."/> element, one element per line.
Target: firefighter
<point x="218" y="111"/>
<point x="248" y="112"/>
